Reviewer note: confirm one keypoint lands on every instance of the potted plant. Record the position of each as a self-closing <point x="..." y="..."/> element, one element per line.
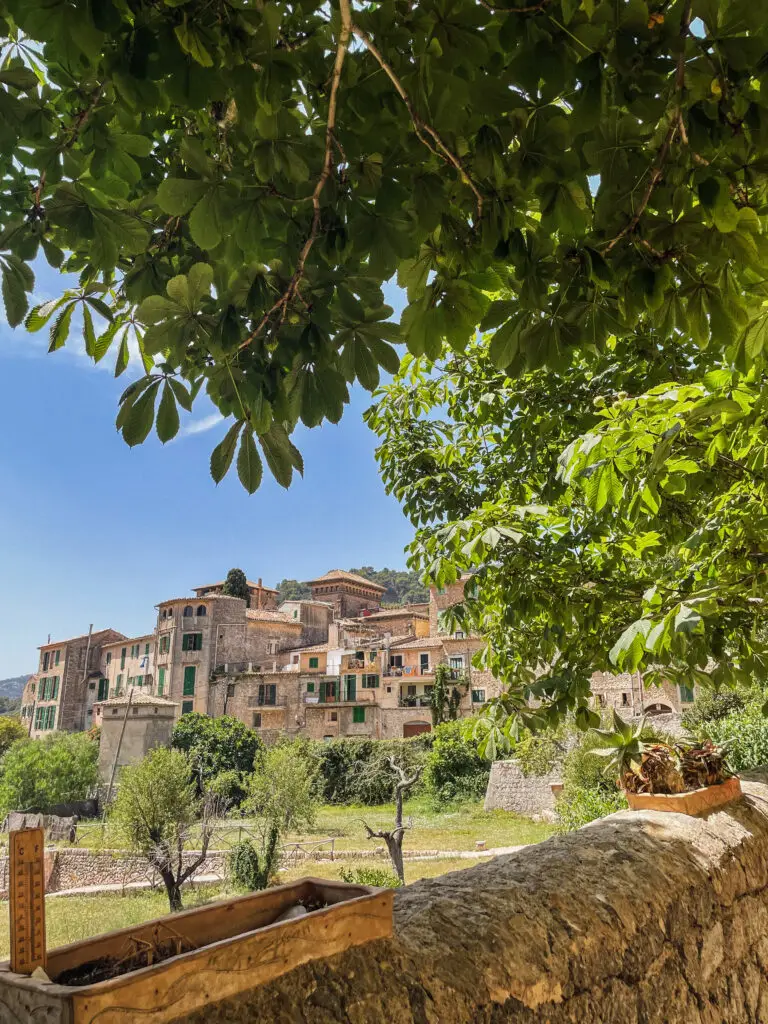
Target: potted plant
<point x="690" y="776"/>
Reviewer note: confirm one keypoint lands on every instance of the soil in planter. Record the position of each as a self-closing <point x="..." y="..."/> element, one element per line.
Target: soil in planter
<point x="107" y="967"/>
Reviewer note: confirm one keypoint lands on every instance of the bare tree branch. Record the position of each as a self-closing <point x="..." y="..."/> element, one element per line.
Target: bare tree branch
<point x="281" y="304"/>
<point x="424" y="131"/>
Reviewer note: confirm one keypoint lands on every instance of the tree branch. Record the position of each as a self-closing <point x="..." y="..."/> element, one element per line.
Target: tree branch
<point x="342" y="46"/>
<point x="424" y="131"/>
<point x="675" y="125"/>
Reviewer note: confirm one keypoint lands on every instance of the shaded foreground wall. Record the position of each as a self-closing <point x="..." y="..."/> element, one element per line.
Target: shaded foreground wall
<point x="641" y="918"/>
<point x="510" y="790"/>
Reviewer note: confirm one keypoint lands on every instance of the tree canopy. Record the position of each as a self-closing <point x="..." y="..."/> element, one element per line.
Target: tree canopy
<point x="236" y="585"/>
<point x="233" y="184"/>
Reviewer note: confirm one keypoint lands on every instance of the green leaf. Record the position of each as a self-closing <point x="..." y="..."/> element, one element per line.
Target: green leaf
<point x="249" y="467"/>
<point x="167" y="425"/>
<point x="204" y="221"/>
<point x="177" y="196"/>
<point x="140" y="417"/>
<point x="278" y="456"/>
<point x="39" y="316"/>
<point x="103" y="342"/>
<point x="60" y="330"/>
<point x="123" y="355"/>
<point x="191" y="42"/>
<point x="503" y="347"/>
<point x="221" y="456"/>
<point x="88" y="332"/>
<point x="15" y="286"/>
<point x="19" y="78"/>
<point x="183" y="397"/>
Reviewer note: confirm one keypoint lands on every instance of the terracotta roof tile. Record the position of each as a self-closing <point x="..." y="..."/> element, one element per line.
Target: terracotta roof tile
<point x="266" y="615"/>
<point x="84" y="636"/>
<point x="138" y="698"/>
<point x="349" y="577"/>
<point x="418" y="643"/>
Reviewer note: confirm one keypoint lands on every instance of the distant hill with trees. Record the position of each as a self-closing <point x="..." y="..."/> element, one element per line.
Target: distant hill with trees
<point x="11" y="690"/>
<point x="403" y="587"/>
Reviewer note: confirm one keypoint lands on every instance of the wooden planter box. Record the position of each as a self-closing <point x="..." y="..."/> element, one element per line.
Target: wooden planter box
<point x="227" y="948"/>
<point x="695" y="802"/>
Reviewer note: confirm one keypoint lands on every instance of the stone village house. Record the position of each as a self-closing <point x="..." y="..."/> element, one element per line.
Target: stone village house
<point x="334" y="665"/>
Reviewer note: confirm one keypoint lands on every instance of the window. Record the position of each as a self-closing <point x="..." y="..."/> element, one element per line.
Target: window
<point x="192" y="642"/>
<point x="146" y="650"/>
<point x="310" y="687"/>
<point x="370" y="682"/>
<point x="120" y="679"/>
<point x="478" y="696"/>
<point x="103" y="689"/>
<point x="257" y="720"/>
<point x="359" y="655"/>
<point x="601" y="700"/>
<point x="139" y="680"/>
<point x="372" y="655"/>
<point x="160" y="682"/>
<point x="411" y="691"/>
<point x="456" y="662"/>
<point x="45" y="662"/>
<point x="428" y="689"/>
<point x="334" y="716"/>
<point x="424" y="662"/>
<point x="134" y="650"/>
<point x="109" y="657"/>
<point x="32" y="689"/>
<point x="122" y="657"/>
<point x="358" y="715"/>
<point x="314" y="662"/>
<point x="186" y="706"/>
<point x="202" y="610"/>
<point x="187" y="610"/>
<point x="686" y="693"/>
<point x="230" y="689"/>
<point x="396" y="660"/>
<point x="189" y="681"/>
<point x="165" y="643"/>
<point x="625" y="700"/>
<point x="267" y="693"/>
<point x="295" y="613"/>
<point x="91" y="686"/>
<point x="458" y="635"/>
<point x="58" y="653"/>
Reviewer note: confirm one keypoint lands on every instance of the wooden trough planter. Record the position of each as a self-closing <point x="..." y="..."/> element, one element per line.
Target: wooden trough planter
<point x="211" y="953"/>
<point x="697" y="801"/>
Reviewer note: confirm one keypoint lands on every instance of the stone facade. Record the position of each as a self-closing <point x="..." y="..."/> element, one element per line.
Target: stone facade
<point x="57" y="696"/>
<point x="259" y="595"/>
<point x="625" y="692"/>
<point x="348" y="593"/>
<point x="128" y="733"/>
<point x="640" y="918"/>
<point x="532" y="795"/>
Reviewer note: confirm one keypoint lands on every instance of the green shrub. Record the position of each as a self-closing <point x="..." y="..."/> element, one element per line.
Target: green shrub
<point x="215" y="745"/>
<point x="747" y="733"/>
<point x="250" y="868"/>
<point x="282" y="788"/>
<point x="371" y="876"/>
<point x="580" y="806"/>
<point x="711" y="707"/>
<point x="454" y="768"/>
<point x="539" y="753"/>
<point x="37" y="774"/>
<point x="229" y="786"/>
<point x="352" y="771"/>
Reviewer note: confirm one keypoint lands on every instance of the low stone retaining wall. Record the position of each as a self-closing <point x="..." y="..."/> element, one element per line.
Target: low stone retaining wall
<point x="73" y="869"/>
<point x="510" y="790"/>
<point x="640" y="917"/>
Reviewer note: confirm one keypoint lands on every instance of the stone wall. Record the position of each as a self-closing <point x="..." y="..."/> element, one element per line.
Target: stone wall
<point x="72" y="868"/>
<point x="640" y="917"/>
<point x="510" y="790"/>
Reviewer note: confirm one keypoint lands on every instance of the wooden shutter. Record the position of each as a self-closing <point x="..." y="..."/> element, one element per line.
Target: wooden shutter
<point x="189" y="681"/>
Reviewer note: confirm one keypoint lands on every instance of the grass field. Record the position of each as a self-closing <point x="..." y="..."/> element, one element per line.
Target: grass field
<point x="456" y="828"/>
<point x="72" y="918"/>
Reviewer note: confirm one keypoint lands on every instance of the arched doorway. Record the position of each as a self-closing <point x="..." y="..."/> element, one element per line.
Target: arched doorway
<point x="658" y="709"/>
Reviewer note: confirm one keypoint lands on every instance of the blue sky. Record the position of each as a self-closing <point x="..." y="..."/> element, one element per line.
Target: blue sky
<point x="93" y="531"/>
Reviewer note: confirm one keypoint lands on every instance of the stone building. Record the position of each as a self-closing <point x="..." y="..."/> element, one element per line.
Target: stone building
<point x="57" y="696"/>
<point x="348" y="593"/>
<point x="126" y="664"/>
<point x="131" y="725"/>
<point x="260" y="596"/>
<point x="315" y="618"/>
<point x="626" y="693"/>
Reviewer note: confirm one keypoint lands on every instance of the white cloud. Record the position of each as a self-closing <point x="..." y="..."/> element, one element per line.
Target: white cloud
<point x="202" y="425"/>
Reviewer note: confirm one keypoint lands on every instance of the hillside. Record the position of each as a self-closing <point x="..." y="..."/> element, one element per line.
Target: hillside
<point x="403" y="587"/>
<point x="13" y="686"/>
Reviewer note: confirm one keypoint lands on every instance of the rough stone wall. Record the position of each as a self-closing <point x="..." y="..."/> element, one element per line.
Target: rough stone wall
<point x="72" y="868"/>
<point x="147" y="728"/>
<point x="640" y="918"/>
<point x="510" y="790"/>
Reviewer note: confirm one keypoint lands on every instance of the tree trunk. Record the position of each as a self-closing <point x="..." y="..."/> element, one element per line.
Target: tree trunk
<point x="394" y="841"/>
<point x="173" y="890"/>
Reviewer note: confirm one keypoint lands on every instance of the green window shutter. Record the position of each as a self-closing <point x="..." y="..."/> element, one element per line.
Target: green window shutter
<point x="185" y="641"/>
<point x="146" y="649"/>
<point x="272" y="693"/>
<point x="189" y="681"/>
<point x="686" y="694"/>
<point x="322" y="693"/>
<point x="198" y="642"/>
<point x="310" y="687"/>
<point x="478" y="696"/>
<point x="57" y="656"/>
<point x="314" y="662"/>
<point x="103" y="689"/>
<point x="122" y="657"/>
<point x="358" y="715"/>
<point x="55" y="691"/>
<point x="160" y="682"/>
<point x="52" y="717"/>
<point x="186" y="706"/>
<point x="139" y="680"/>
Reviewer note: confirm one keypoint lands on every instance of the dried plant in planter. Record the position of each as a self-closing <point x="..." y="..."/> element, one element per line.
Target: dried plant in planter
<point x="703" y="764"/>
<point x="659" y="771"/>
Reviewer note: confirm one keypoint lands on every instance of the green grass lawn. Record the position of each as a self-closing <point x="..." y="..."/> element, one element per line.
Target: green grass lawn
<point x="456" y="828"/>
<point x="72" y="918"/>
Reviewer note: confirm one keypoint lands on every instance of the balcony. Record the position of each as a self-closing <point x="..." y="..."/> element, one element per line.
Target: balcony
<point x="408" y="670"/>
<point x="416" y="700"/>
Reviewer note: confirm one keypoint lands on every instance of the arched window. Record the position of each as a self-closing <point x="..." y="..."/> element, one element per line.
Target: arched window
<point x="187" y="610"/>
<point x="201" y="610"/>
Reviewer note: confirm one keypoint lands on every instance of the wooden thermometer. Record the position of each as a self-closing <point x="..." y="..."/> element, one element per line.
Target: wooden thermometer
<point x="27" y="900"/>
